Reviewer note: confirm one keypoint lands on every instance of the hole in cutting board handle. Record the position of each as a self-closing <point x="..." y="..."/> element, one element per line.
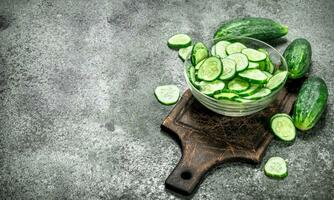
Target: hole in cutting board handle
<point x="186" y="175"/>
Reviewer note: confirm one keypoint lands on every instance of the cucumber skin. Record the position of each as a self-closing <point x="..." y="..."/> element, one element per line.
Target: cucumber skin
<point x="255" y="27"/>
<point x="298" y="57"/>
<point x="310" y="104"/>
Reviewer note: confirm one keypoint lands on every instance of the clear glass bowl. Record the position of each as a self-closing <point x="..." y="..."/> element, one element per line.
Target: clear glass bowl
<point x="231" y="108"/>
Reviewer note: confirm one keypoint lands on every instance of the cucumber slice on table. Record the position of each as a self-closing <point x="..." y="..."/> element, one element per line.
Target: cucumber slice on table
<point x="238" y="85"/>
<point x="240" y="59"/>
<point x="251" y="90"/>
<point x="198" y="53"/>
<point x="253" y="65"/>
<point x="275" y="81"/>
<point x="210" y="69"/>
<point x="220" y="48"/>
<point x="225" y="95"/>
<point x="254" y="75"/>
<point x="235" y="47"/>
<point x="229" y="67"/>
<point x="276" y="167"/>
<point x="184" y="52"/>
<point x="259" y="94"/>
<point x="167" y="94"/>
<point x="179" y="41"/>
<point x="282" y="126"/>
<point x="254" y="55"/>
<point x="209" y="88"/>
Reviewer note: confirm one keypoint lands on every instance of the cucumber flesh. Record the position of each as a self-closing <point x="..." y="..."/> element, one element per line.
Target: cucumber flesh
<point x="269" y="75"/>
<point x="277" y="80"/>
<point x="238" y="85"/>
<point x="213" y="50"/>
<point x="229" y="67"/>
<point x="240" y="59"/>
<point x="242" y="100"/>
<point x="235" y="47"/>
<point x="253" y="65"/>
<point x="276" y="167"/>
<point x="167" y="94"/>
<point x="198" y="53"/>
<point x="220" y="49"/>
<point x="254" y="55"/>
<point x="179" y="41"/>
<point x="192" y="76"/>
<point x="209" y="88"/>
<point x="282" y="126"/>
<point x="210" y="69"/>
<point x="184" y="52"/>
<point x="259" y="94"/>
<point x="225" y="95"/>
<point x="254" y="75"/>
<point x="251" y="90"/>
<point x="199" y="64"/>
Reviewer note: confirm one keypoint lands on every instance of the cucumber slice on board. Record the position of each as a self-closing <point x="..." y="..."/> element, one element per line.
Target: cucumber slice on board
<point x="179" y="41"/>
<point x="254" y="55"/>
<point x="235" y="47"/>
<point x="184" y="52"/>
<point x="276" y="167"/>
<point x="229" y="67"/>
<point x="251" y="90"/>
<point x="167" y="94"/>
<point x="225" y="95"/>
<point x="238" y="85"/>
<point x="253" y="65"/>
<point x="209" y="88"/>
<point x="198" y="53"/>
<point x="277" y="80"/>
<point x="282" y="126"/>
<point x="210" y="69"/>
<point x="240" y="59"/>
<point x="199" y="64"/>
<point x="254" y="75"/>
<point x="259" y="94"/>
<point x="220" y="48"/>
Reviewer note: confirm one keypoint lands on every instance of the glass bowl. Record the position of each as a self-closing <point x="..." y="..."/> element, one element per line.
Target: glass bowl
<point x="233" y="108"/>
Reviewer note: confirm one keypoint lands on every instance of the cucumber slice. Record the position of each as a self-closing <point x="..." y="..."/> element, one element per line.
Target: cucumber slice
<point x="225" y="95"/>
<point x="220" y="48"/>
<point x="179" y="41"/>
<point x="238" y="85"/>
<point x="242" y="100"/>
<point x="229" y="67"/>
<point x="199" y="64"/>
<point x="167" y="94"/>
<point x="198" y="53"/>
<point x="259" y="94"/>
<point x="184" y="52"/>
<point x="254" y="55"/>
<point x="253" y="65"/>
<point x="276" y="167"/>
<point x="235" y="47"/>
<point x="254" y="75"/>
<point x="192" y="76"/>
<point x="241" y="61"/>
<point x="270" y="66"/>
<point x="210" y="69"/>
<point x="282" y="126"/>
<point x="278" y="79"/>
<point x="213" y="50"/>
<point x="269" y="75"/>
<point x="209" y="88"/>
<point x="251" y="90"/>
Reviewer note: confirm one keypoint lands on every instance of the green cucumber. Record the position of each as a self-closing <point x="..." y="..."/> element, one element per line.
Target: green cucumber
<point x="254" y="55"/>
<point x="210" y="69"/>
<point x="310" y="104"/>
<point x="240" y="59"/>
<point x="282" y="126"/>
<point x="277" y="80"/>
<point x="220" y="48"/>
<point x="225" y="95"/>
<point x="209" y="88"/>
<point x="238" y="85"/>
<point x="179" y="41"/>
<point x="253" y="65"/>
<point x="276" y="167"/>
<point x="199" y="64"/>
<point x="184" y="52"/>
<point x="235" y="47"/>
<point x="242" y="100"/>
<point x="198" y="53"/>
<point x="269" y="75"/>
<point x="213" y="50"/>
<point x="263" y="92"/>
<point x="192" y="76"/>
<point x="253" y="75"/>
<point x="229" y="67"/>
<point x="251" y="90"/>
<point x="298" y="57"/>
<point x="259" y="28"/>
<point x="167" y="94"/>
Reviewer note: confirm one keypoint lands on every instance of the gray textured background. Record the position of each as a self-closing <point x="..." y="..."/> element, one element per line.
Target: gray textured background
<point x="78" y="119"/>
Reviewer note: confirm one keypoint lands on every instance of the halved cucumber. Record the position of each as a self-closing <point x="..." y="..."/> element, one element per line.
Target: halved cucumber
<point x="199" y="64"/>
<point x="184" y="52"/>
<point x="254" y="55"/>
<point x="282" y="126"/>
<point x="251" y="90"/>
<point x="275" y="81"/>
<point x="276" y="167"/>
<point x="209" y="88"/>
<point x="253" y="75"/>
<point x="179" y="41"/>
<point x="210" y="69"/>
<point x="235" y="47"/>
<point x="240" y="59"/>
<point x="167" y="94"/>
<point x="238" y="85"/>
<point x="253" y="65"/>
<point x="220" y="49"/>
<point x="259" y="94"/>
<point x="229" y="69"/>
<point x="225" y="95"/>
<point x="198" y="53"/>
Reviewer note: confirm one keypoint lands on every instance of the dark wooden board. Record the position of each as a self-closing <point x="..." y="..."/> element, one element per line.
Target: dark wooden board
<point x="208" y="139"/>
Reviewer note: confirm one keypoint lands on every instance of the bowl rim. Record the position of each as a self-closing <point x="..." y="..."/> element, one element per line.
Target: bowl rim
<point x="231" y="102"/>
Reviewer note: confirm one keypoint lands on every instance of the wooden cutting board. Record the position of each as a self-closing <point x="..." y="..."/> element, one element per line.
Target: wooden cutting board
<point x="208" y="139"/>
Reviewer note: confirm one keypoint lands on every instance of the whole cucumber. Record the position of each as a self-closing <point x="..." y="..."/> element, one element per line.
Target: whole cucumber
<point x="255" y="27"/>
<point x="310" y="104"/>
<point x="298" y="57"/>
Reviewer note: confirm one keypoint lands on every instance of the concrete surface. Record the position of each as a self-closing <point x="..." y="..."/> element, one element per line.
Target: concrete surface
<point x="78" y="119"/>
